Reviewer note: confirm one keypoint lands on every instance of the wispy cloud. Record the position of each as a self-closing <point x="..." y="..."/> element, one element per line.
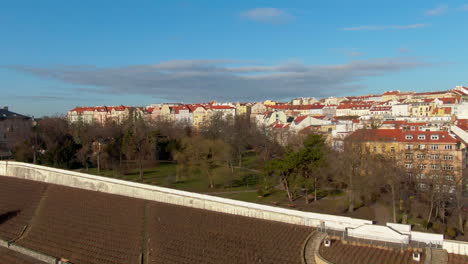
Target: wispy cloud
<point x="354" y="54"/>
<point x="268" y="15"/>
<point x="394" y="27"/>
<point x="44" y="97"/>
<point x="201" y="80"/>
<point x="463" y="8"/>
<point x="403" y="50"/>
<point x="439" y="10"/>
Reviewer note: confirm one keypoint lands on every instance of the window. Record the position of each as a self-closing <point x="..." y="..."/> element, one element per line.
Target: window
<point x="420" y="176"/>
<point x="448" y="157"/>
<point x="408" y="146"/>
<point x="375" y="149"/>
<point x="421" y="128"/>
<point x="434" y="147"/>
<point x="434" y="156"/>
<point x="422" y="166"/>
<point x="448" y="167"/>
<point x="408" y="165"/>
<point x="448" y="147"/>
<point x="422" y="137"/>
<point x="422" y="186"/>
<point x="449" y="177"/>
<point x="408" y="137"/>
<point x="434" y="137"/>
<point x="451" y="189"/>
<point x="392" y="149"/>
<point x="409" y="156"/>
<point x="434" y="177"/>
<point x="435" y="166"/>
<point x="409" y="175"/>
<point x="421" y="156"/>
<point x="422" y="146"/>
<point x="413" y="128"/>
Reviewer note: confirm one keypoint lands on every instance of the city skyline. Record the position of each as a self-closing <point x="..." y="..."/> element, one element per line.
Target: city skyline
<point x="61" y="55"/>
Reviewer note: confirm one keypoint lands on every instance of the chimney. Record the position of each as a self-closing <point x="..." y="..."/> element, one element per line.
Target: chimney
<point x="5" y="108"/>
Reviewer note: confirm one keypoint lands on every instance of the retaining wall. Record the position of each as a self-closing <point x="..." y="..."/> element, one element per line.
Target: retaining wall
<point x="456" y="247"/>
<point x="171" y="196"/>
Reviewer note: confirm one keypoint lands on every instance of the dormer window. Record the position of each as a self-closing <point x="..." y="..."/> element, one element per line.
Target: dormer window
<point x="409" y="137"/>
<point x="421" y="137"/>
<point x="413" y="128"/>
<point x="435" y="137"/>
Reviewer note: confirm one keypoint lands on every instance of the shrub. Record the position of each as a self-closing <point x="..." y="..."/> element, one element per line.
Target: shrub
<point x="451" y="232"/>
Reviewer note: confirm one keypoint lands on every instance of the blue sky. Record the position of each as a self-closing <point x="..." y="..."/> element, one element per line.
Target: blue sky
<point x="56" y="55"/>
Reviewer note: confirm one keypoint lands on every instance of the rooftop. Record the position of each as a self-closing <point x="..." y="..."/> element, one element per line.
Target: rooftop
<point x="93" y="227"/>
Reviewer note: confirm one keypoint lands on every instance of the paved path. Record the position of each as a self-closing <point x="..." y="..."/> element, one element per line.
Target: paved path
<point x="311" y="246"/>
<point x="438" y="256"/>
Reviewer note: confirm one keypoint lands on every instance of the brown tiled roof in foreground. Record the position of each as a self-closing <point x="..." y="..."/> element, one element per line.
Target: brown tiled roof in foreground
<point x="341" y="253"/>
<point x="92" y="227"/>
<point x="457" y="259"/>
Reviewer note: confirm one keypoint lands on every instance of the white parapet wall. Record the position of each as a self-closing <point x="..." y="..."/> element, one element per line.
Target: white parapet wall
<point x="456" y="247"/>
<point x="379" y="233"/>
<point x="177" y="197"/>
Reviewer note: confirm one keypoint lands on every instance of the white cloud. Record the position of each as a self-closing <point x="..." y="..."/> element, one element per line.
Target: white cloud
<point x="268" y="15"/>
<point x="202" y="80"/>
<point x="375" y="28"/>
<point x="463" y="8"/>
<point x="439" y="10"/>
<point x="403" y="50"/>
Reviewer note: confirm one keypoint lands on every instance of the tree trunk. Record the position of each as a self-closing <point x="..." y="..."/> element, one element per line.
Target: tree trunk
<point x="286" y="187"/>
<point x="351" y="203"/>
<point x="99" y="162"/>
<point x="306" y="194"/>
<point x="140" y="167"/>
<point x="442" y="212"/>
<point x="351" y="189"/>
<point x="430" y="213"/>
<point x="315" y="189"/>
<point x="211" y="183"/>
<point x="460" y="222"/>
<point x="393" y="203"/>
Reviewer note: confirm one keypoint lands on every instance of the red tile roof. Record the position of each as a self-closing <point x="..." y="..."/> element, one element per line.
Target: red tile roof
<point x="299" y="119"/>
<point x="398" y="135"/>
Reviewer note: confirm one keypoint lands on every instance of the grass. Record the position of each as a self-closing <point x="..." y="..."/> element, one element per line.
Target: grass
<point x="164" y="174"/>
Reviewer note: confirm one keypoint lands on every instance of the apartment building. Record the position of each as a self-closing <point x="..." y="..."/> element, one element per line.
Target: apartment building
<point x="430" y="158"/>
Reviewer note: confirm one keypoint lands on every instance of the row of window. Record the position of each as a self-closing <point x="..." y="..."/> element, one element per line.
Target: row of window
<point x="409" y="156"/>
<point x="421" y="176"/>
<point x="432" y="147"/>
<point x="433" y="166"/>
<point x="422" y="137"/>
<point x="437" y="188"/>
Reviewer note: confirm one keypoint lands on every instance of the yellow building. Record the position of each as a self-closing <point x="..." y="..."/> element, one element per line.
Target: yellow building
<point x="423" y="109"/>
<point x="201" y="115"/>
<point x="432" y="159"/>
<point x="165" y="113"/>
<point x="269" y="102"/>
<point x="242" y="109"/>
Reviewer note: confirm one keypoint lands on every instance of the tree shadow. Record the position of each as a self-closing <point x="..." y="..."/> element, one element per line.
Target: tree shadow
<point x="8" y="215"/>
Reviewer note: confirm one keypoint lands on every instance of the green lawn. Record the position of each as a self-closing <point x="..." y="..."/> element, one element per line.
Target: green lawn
<point x="164" y="174"/>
